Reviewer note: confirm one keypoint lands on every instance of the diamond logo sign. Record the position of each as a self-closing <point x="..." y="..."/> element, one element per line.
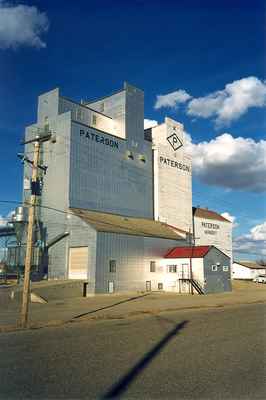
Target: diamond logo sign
<point x="174" y="141"/>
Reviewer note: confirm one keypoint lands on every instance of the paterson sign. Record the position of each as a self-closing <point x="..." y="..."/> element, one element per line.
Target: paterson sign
<point x="212" y="228"/>
<point x="174" y="164"/>
<point x="99" y="138"/>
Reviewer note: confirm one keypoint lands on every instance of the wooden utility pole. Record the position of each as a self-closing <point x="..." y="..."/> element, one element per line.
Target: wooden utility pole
<point x="35" y="191"/>
<point x="26" y="287"/>
<point x="191" y="242"/>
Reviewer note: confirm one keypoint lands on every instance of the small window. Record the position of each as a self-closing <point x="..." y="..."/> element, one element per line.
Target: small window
<point x="112" y="265"/>
<point x="225" y="268"/>
<point x="152" y="266"/>
<point x="214" y="267"/>
<point x="172" y="268"/>
<point x="78" y="114"/>
<point x="94" y="119"/>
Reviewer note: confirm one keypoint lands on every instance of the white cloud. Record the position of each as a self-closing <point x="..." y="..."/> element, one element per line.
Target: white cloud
<point x="230" y="103"/>
<point x="171" y="99"/>
<point x="233" y="163"/>
<point x="259" y="232"/>
<point x="253" y="243"/>
<point x="150" y="123"/>
<point x="21" y="25"/>
<point x="230" y="218"/>
<point x="206" y="106"/>
<point x="225" y="105"/>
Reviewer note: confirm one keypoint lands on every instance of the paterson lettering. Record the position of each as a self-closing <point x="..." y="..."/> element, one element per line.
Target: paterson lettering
<point x="99" y="139"/>
<point x="209" y="225"/>
<point x="174" y="164"/>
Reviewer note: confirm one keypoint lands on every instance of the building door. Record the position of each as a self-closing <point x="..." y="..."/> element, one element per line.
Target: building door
<point x="148" y="286"/>
<point x="78" y="263"/>
<point x="184" y="275"/>
<point x="110" y="287"/>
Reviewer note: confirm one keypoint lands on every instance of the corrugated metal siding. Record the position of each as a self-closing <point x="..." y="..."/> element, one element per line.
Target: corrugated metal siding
<point x="217" y="281"/>
<point x="55" y="194"/>
<point x="103" y="178"/>
<point x="133" y="256"/>
<point x="128" y="252"/>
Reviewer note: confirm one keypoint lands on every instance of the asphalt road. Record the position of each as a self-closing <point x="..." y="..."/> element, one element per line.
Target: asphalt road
<point x="210" y="354"/>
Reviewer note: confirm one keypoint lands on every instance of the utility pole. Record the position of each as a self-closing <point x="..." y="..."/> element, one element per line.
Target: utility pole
<point x="31" y="222"/>
<point x="191" y="244"/>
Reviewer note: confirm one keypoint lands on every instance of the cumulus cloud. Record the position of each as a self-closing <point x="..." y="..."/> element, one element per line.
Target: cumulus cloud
<point x="172" y="99"/>
<point x="230" y="218"/>
<point x="225" y="105"/>
<point x="253" y="243"/>
<point x="259" y="232"/>
<point x="230" y="103"/>
<point x="150" y="123"/>
<point x="233" y="163"/>
<point x="21" y="25"/>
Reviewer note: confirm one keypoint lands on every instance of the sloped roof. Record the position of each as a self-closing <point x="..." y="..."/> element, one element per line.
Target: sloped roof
<point x="208" y="214"/>
<point x="188" y="252"/>
<point x="105" y="222"/>
<point x="250" y="264"/>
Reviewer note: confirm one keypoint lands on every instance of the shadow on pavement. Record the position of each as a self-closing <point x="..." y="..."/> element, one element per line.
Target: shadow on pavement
<point x="121" y="386"/>
<point x="110" y="306"/>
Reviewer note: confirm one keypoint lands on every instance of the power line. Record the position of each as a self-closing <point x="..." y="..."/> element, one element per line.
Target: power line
<point x="100" y="160"/>
<point x="64" y="225"/>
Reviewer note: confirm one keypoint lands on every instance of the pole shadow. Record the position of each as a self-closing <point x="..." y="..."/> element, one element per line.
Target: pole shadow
<point x="110" y="306"/>
<point x="122" y="385"/>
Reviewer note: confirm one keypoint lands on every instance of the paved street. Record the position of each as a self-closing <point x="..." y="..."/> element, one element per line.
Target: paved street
<point x="205" y="354"/>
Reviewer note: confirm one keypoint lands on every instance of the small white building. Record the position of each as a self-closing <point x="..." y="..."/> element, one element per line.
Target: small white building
<point x="206" y="269"/>
<point x="247" y="270"/>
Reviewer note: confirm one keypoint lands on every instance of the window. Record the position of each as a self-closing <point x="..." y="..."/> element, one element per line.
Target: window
<point x="225" y="268"/>
<point x="112" y="266"/>
<point x="214" y="267"/>
<point x="172" y="268"/>
<point x="80" y="114"/>
<point x="94" y="119"/>
<point x="152" y="266"/>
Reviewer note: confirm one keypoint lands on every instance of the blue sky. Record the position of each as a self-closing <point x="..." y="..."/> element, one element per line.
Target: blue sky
<point x="88" y="48"/>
